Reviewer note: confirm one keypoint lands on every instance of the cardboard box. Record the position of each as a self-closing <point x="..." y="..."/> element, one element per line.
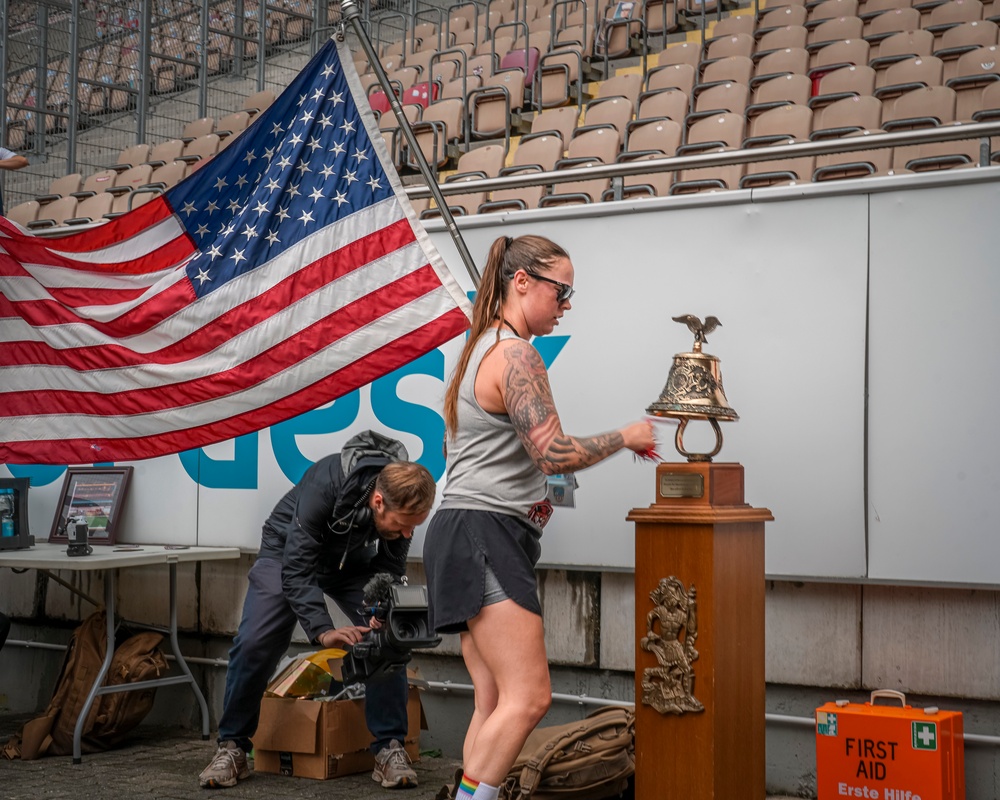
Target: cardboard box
<point x="308" y="676"/>
<point x="889" y="752"/>
<point x="322" y="738"/>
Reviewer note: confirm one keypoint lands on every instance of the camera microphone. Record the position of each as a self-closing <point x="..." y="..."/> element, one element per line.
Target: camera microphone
<point x="378" y="590"/>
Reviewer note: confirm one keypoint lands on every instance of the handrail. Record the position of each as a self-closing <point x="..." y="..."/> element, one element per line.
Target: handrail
<point x="946" y="133"/>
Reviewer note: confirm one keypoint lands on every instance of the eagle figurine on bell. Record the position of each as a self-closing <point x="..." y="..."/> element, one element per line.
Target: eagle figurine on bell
<point x="694" y="389"/>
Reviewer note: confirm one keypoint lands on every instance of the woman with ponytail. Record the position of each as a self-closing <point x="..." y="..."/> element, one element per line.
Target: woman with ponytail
<point x="504" y="437"/>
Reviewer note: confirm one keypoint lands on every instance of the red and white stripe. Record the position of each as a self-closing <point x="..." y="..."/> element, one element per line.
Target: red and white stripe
<point x="141" y="373"/>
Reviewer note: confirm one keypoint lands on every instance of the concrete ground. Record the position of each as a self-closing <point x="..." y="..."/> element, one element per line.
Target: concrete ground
<point x="165" y="762"/>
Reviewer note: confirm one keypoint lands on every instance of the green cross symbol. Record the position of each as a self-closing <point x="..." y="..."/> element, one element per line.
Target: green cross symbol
<point x="924" y="735"/>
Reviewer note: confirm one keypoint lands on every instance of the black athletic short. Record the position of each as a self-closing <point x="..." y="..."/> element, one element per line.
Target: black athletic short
<point x="459" y="544"/>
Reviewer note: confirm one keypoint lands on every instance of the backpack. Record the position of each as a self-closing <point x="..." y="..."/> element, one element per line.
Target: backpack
<point x="587" y="760"/>
<point x="137" y="657"/>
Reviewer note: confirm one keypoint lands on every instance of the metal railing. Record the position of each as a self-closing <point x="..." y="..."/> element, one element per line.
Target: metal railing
<point x="979" y="130"/>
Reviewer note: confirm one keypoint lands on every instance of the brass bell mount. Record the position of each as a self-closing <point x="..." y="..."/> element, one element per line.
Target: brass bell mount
<point x="694" y="389"/>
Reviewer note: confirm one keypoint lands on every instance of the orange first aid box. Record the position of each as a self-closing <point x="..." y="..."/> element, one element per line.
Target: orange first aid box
<point x="889" y="752"/>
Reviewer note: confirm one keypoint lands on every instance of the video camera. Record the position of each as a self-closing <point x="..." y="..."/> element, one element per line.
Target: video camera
<point x="402" y="610"/>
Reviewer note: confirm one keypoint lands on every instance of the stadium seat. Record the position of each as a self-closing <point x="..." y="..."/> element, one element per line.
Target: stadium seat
<point x="24" y="213"/>
<point x="535" y="153"/>
<point x="779" y="92"/>
<point x="482" y="162"/>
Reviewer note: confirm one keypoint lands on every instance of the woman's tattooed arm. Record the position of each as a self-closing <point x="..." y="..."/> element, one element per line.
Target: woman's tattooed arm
<point x="528" y="398"/>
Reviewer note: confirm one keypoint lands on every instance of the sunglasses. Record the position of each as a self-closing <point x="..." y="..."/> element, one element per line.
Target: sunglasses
<point x="565" y="290"/>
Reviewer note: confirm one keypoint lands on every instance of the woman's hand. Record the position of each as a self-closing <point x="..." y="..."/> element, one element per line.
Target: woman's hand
<point x="638" y="437"/>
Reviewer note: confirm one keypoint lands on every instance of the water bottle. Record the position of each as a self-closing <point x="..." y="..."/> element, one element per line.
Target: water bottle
<point x="7" y="512"/>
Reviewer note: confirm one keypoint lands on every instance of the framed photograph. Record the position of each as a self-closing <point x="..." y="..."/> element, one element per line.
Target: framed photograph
<point x="95" y="494"/>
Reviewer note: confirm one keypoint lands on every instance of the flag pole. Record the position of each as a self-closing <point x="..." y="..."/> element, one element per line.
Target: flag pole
<point x="350" y="11"/>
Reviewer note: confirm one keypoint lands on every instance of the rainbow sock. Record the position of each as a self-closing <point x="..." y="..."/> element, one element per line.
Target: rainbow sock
<point x="467" y="788"/>
<point x="470" y="789"/>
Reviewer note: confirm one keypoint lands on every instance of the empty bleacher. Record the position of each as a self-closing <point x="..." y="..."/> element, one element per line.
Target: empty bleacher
<point x="627" y="81"/>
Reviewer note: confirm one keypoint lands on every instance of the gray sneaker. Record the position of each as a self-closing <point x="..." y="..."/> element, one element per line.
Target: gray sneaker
<point x="228" y="767"/>
<point x="392" y="768"/>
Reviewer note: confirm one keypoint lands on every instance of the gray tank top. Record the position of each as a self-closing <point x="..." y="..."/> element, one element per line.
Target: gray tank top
<point x="488" y="467"/>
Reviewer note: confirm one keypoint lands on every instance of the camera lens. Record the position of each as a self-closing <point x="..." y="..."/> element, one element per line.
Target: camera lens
<point x="407" y="630"/>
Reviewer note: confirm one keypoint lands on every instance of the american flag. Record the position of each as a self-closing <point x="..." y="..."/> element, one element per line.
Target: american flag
<point x="286" y="272"/>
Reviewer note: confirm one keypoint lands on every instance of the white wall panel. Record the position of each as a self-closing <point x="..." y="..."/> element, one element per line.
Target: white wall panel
<point x="935" y="332"/>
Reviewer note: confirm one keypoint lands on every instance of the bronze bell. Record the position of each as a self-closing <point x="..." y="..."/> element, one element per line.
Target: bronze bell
<point x="694" y="389"/>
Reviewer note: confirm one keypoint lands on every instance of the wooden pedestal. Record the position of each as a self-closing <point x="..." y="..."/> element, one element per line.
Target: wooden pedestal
<point x="701" y="532"/>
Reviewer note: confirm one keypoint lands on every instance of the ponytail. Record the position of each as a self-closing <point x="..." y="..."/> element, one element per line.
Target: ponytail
<point x="506" y="257"/>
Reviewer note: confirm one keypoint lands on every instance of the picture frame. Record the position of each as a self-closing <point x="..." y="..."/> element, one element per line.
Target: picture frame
<point x="96" y="493"/>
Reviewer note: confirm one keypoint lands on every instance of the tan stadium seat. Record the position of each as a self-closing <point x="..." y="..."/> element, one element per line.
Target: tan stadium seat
<point x="788" y="89"/>
<point x="628" y="86"/>
<point x="852" y="81"/>
<point x="974" y="71"/>
<point x="612" y="112"/>
<point x="738" y="44"/>
<point x="131" y="179"/>
<point x="873" y="8"/>
<point x="683" y="53"/>
<point x="489" y="107"/>
<point x="852" y="116"/>
<point x="231" y="125"/>
<point x="956" y="42"/>
<point x="197" y="127"/>
<point x="676" y="76"/>
<point x="663" y="104"/>
<point x="535" y="153"/>
<point x="24" y="213"/>
<point x="62" y="187"/>
<point x="948" y="15"/>
<point x="834" y="30"/>
<point x="165" y="152"/>
<point x="55" y="213"/>
<point x="482" y="162"/>
<point x="839" y="54"/>
<point x="780" y="17"/>
<point x="790" y="61"/>
<point x="905" y="76"/>
<point x="650" y="139"/>
<point x="587" y="148"/>
<point x="733" y="24"/>
<point x="130" y="156"/>
<point x="713" y="134"/>
<point x="961" y="154"/>
<point x="441" y="123"/>
<point x="734" y="69"/>
<point x="898" y="47"/>
<point x="91" y="209"/>
<point x="927" y="107"/>
<point x="890" y="22"/>
<point x="202" y="148"/>
<point x="731" y="98"/>
<point x="830" y="9"/>
<point x="167" y="175"/>
<point x="780" y="38"/>
<point x="98" y="182"/>
<point x="561" y="121"/>
<point x="783" y="125"/>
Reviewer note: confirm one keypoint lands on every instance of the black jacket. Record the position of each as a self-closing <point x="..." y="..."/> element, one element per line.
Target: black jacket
<point x="315" y="527"/>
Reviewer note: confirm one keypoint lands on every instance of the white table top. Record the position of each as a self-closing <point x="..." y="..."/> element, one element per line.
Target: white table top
<point x="53" y="556"/>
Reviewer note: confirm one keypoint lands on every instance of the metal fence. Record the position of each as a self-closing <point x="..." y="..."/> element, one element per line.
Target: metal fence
<point x="84" y="79"/>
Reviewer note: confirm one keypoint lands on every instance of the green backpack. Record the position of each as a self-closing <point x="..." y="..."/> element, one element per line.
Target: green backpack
<point x="587" y="760"/>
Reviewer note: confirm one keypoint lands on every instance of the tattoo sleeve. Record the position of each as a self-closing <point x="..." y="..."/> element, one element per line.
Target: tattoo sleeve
<point x="528" y="398"/>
